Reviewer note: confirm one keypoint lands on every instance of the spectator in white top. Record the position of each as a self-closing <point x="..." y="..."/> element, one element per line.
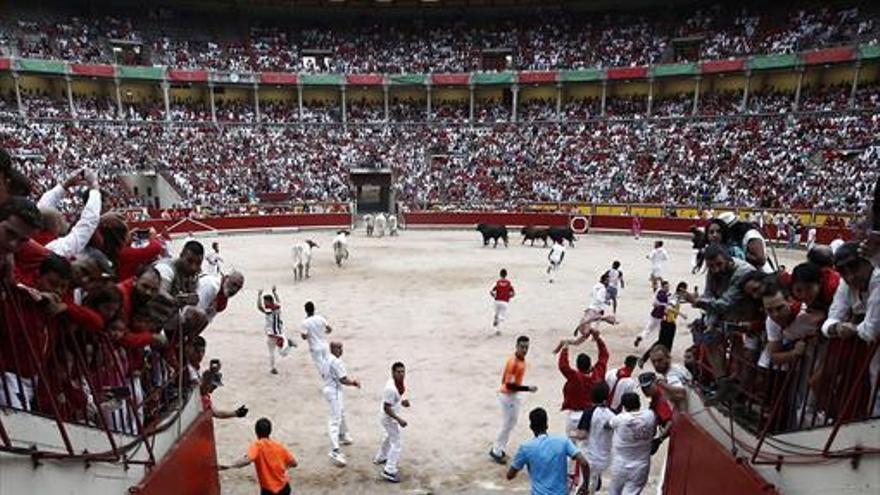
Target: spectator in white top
<point x="79" y="235"/>
<point x="671" y="378"/>
<point x="314" y="327"/>
<point x="215" y="291"/>
<point x="335" y="377"/>
<point x="621" y="381"/>
<point x="631" y="446"/>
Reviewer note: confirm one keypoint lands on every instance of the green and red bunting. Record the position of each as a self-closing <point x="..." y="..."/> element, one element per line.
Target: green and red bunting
<point x="92" y="70"/>
<point x="278" y="78"/>
<point x="719" y="66"/>
<point x="364" y="79"/>
<point x="450" y="79"/>
<point x="543" y="77"/>
<point x="830" y="55"/>
<point x="186" y="75"/>
<point x="619" y="73"/>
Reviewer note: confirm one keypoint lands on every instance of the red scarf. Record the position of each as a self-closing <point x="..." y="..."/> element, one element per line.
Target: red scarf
<point x="222" y="299"/>
<point x="401" y="388"/>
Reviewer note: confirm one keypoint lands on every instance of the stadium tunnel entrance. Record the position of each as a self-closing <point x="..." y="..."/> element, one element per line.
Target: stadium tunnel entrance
<point x="373" y="191"/>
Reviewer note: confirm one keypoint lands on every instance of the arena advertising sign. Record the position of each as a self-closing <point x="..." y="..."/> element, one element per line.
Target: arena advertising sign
<point x="220" y="77"/>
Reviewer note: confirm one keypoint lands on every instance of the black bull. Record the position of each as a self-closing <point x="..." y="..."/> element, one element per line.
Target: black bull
<point x="493" y="232"/>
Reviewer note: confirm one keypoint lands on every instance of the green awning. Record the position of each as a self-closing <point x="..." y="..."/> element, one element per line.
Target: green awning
<point x="869" y="51"/>
<point x="43" y="66"/>
<point x="493" y="78"/>
<point x="137" y="72"/>
<point x="322" y="79"/>
<point x="763" y="62"/>
<point x="666" y="70"/>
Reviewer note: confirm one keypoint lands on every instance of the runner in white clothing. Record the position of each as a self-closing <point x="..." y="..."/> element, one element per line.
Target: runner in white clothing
<point x="213" y="260"/>
<point x="392" y="401"/>
<point x="631" y="446"/>
<point x="615" y="283"/>
<point x="594" y="313"/>
<point x="555" y="256"/>
<point x="334" y="374"/>
<point x="314" y="327"/>
<point x="276" y="339"/>
<point x="658" y="258"/>
<point x="596" y="433"/>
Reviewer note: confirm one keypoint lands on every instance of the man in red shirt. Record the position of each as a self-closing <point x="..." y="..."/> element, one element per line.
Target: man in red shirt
<point x="502" y="293"/>
<point x="579" y="382"/>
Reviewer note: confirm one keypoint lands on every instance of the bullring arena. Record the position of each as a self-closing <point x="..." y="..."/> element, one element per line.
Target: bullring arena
<point x="420" y="298"/>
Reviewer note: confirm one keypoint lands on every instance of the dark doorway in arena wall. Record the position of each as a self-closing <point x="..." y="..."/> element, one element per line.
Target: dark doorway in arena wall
<point x="373" y="191"/>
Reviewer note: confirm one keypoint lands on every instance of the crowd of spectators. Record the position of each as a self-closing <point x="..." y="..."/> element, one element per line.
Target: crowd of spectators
<point x="682" y="162"/>
<point x="101" y="323"/>
<point x="547" y="39"/>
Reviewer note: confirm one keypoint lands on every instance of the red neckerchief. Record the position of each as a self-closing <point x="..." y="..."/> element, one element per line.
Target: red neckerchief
<point x="624" y="372"/>
<point x="401" y="388"/>
<point x="271" y="306"/>
<point x="44" y="237"/>
<point x="222" y="299"/>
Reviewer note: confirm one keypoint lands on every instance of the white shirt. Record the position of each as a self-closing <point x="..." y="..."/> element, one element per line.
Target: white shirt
<point x="677" y="376"/>
<point x="208" y="289"/>
<point x="391" y="397"/>
<point x="166" y="270"/>
<point x="846" y="302"/>
<point x="658" y="257"/>
<point x="774" y="334"/>
<point x="315" y="328"/>
<point x="627" y="384"/>
<point x="274" y="325"/>
<point x="599" y="440"/>
<point x="214" y="262"/>
<point x="340" y="240"/>
<point x="811" y="234"/>
<point x="614" y="278"/>
<point x="599" y="297"/>
<point x="633" y="432"/>
<point x="302" y="253"/>
<point x="81" y="233"/>
<point x="332" y="372"/>
<point x="556" y="253"/>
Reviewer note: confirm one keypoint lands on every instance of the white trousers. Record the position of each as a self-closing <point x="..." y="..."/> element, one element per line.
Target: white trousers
<point x="554" y="268"/>
<point x="652" y="326"/>
<point x="595" y="479"/>
<point x="15" y="392"/>
<point x="336" y="426"/>
<point x="629" y="479"/>
<point x="391" y="445"/>
<point x="510" y="404"/>
<point x="500" y="312"/>
<point x="319" y="355"/>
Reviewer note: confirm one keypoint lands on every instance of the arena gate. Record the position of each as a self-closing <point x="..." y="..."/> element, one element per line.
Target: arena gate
<point x="373" y="192"/>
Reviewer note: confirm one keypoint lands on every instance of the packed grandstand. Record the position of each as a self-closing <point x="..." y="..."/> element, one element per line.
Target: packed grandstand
<point x="695" y="138"/>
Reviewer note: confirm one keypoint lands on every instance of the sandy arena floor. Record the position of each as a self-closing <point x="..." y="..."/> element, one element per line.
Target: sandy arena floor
<point x="421" y="298"/>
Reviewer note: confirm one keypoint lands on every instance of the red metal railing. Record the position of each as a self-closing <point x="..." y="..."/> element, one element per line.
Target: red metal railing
<point x="829" y="385"/>
<point x="82" y="378"/>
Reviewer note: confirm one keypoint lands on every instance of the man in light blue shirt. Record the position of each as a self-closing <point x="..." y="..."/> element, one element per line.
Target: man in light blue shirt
<point x="547" y="459"/>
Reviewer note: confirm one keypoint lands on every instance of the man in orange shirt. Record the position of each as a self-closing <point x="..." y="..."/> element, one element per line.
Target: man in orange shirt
<point x="508" y="397"/>
<point x="271" y="461"/>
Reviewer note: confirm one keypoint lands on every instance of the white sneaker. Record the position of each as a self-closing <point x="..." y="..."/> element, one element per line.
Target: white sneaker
<point x="346" y="440"/>
<point x="337" y="458"/>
